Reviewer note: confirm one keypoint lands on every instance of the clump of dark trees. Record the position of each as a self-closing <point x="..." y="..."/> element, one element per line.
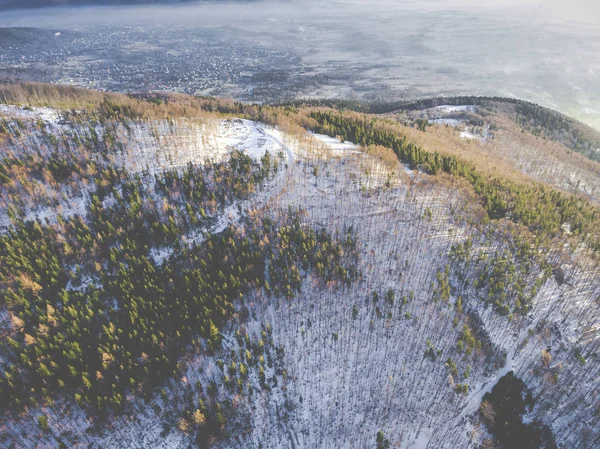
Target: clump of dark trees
<point x="503" y="414"/>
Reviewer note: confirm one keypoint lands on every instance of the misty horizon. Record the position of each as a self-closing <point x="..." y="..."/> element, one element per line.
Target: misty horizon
<point x="383" y="51"/>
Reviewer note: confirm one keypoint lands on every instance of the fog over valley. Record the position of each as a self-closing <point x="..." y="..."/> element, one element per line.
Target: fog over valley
<point x="265" y="51"/>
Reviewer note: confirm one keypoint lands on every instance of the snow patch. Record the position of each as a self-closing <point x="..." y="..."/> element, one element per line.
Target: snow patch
<point x="449" y="109"/>
<point x="334" y="144"/>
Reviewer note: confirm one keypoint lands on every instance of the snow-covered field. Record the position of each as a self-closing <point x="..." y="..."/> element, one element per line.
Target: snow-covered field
<point x="159" y="146"/>
<point x="456" y="117"/>
<point x="447" y="121"/>
<point x="48" y="115"/>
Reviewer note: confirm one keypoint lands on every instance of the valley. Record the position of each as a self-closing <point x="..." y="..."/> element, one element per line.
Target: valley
<point x="278" y="51"/>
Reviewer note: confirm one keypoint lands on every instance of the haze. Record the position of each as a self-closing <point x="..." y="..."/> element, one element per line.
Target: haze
<point x="543" y="51"/>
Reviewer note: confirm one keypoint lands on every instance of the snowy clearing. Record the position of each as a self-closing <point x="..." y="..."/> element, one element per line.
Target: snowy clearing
<point x="335" y="144"/>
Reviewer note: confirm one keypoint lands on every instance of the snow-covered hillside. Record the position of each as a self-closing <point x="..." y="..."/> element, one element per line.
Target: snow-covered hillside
<point x="409" y="348"/>
<point x="354" y="373"/>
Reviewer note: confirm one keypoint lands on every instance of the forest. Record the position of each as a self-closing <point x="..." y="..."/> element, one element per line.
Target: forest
<point x="538" y="120"/>
<point x="180" y="271"/>
<point x="542" y="210"/>
<point x="96" y="317"/>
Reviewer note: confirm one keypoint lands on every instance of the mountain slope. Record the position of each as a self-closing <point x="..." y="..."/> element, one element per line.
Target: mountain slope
<point x="537" y="120"/>
<point x="175" y="276"/>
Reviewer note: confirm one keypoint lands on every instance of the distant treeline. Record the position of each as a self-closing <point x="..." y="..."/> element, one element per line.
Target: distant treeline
<point x="540" y="121"/>
<point x="409" y="105"/>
